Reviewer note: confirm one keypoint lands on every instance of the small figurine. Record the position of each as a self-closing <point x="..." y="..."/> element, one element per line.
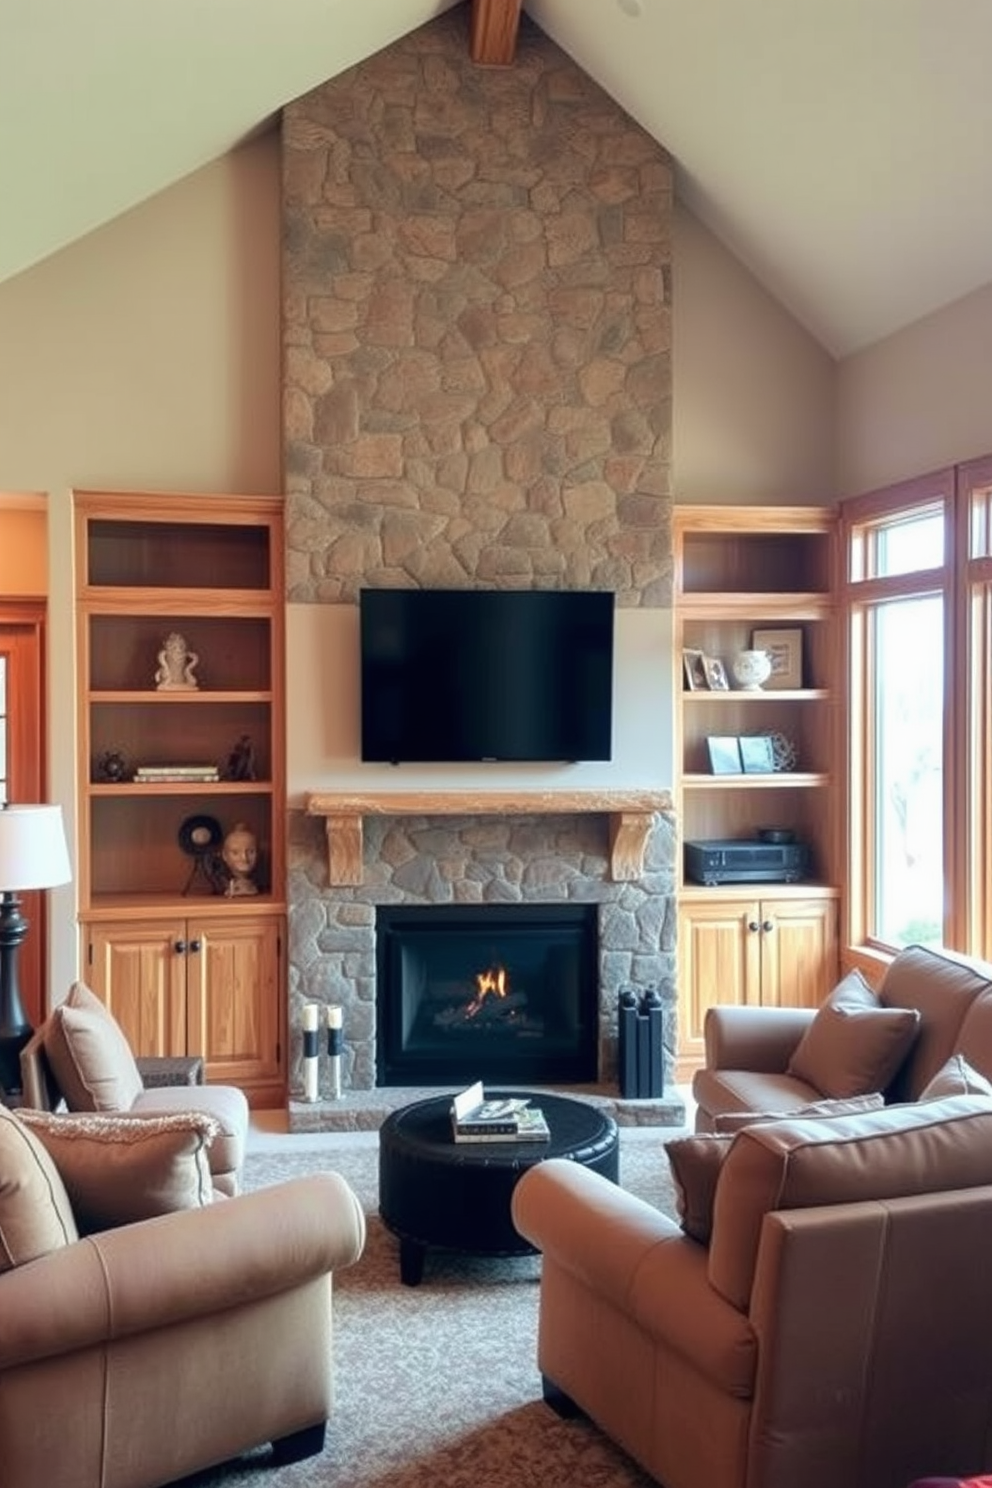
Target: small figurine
<point x="239" y="856"/>
<point x="241" y="761"/>
<point x="176" y="665"/>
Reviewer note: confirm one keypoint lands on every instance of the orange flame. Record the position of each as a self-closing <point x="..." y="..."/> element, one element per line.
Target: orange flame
<point x="492" y="982"/>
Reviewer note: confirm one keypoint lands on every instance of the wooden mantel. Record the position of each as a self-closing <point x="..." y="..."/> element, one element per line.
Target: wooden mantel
<point x="631" y="816"/>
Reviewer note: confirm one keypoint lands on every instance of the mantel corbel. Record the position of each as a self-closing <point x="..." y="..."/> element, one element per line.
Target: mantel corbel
<point x="631" y="814"/>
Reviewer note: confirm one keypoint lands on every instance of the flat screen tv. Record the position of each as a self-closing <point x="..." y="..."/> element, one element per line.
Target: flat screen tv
<point x="459" y="676"/>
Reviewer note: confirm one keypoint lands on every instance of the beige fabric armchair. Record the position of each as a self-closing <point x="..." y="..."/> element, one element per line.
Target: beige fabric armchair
<point x="135" y="1356"/>
<point x="80" y="1057"/>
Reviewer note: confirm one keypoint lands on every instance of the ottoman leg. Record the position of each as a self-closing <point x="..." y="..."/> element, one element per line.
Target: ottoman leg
<point x="412" y="1255"/>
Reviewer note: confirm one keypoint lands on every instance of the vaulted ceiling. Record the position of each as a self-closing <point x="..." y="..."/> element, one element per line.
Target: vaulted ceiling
<point x="840" y="148"/>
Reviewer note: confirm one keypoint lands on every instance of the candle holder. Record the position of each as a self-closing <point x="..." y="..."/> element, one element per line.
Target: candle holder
<point x="335" y="1046"/>
<point x="311" y="1052"/>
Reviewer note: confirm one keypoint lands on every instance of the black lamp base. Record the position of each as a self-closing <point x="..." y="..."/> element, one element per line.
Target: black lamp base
<point x="15" y="1030"/>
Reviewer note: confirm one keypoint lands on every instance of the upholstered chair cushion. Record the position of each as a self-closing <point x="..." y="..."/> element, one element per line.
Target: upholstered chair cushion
<point x="956" y="1077"/>
<point x="897" y="1152"/>
<point x="121" y="1169"/>
<point x="35" y="1213"/>
<point x="90" y="1057"/>
<point x="854" y="1045"/>
<point x="732" y="1121"/>
<point x="229" y="1108"/>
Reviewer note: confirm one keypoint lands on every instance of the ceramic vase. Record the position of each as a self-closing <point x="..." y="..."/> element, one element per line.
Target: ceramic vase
<point x="752" y="669"/>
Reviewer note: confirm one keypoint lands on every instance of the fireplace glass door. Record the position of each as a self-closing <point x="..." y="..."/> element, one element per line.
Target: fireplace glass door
<point x="500" y="993"/>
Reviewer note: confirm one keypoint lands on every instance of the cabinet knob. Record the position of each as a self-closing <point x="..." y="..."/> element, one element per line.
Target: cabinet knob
<point x="194" y="946"/>
<point x="768" y="925"/>
<point x="753" y="926"/>
<point x="180" y="948"/>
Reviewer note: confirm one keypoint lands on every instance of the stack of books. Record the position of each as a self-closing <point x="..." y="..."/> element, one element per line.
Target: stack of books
<point x="506" y="1119"/>
<point x="171" y="774"/>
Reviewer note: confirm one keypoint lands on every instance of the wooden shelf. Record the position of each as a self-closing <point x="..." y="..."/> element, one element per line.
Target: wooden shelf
<point x="133" y="788"/>
<point x="773" y="695"/>
<point x="759" y="780"/>
<point x="183" y="699"/>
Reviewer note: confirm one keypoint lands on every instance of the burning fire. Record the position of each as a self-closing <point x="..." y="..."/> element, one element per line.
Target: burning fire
<point x="488" y="983"/>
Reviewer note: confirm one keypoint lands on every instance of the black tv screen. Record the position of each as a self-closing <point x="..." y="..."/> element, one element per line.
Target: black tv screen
<point x="458" y="675"/>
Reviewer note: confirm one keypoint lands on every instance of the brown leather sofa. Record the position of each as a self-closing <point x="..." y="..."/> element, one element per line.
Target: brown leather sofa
<point x="748" y="1050"/>
<point x="131" y="1357"/>
<point x="835" y="1332"/>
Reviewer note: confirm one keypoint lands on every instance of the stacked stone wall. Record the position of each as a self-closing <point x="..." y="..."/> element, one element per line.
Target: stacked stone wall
<point x="476" y="328"/>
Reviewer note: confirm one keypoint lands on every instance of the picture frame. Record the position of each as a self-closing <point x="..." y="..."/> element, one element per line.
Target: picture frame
<point x="716" y="674"/>
<point x="785" y="650"/>
<point x="757" y="754"/>
<point x="694" y="671"/>
<point x="725" y="754"/>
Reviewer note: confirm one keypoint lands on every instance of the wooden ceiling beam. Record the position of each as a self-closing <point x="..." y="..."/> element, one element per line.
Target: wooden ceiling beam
<point x="495" y="24"/>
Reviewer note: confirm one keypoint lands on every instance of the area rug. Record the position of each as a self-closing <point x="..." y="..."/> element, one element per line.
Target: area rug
<point x="437" y="1386"/>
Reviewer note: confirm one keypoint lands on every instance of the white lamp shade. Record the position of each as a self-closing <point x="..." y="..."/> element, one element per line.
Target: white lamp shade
<point x="33" y="851"/>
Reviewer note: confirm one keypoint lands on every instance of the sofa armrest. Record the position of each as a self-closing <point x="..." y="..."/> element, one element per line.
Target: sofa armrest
<point x="178" y="1267"/>
<point x="639" y="1262"/>
<point x="761" y="1039"/>
<point x="590" y="1226"/>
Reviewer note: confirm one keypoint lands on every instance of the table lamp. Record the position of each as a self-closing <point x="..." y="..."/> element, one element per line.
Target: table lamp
<point x="33" y="855"/>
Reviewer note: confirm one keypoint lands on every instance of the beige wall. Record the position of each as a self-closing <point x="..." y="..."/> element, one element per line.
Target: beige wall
<point x="918" y="400"/>
<point x="23" y="547"/>
<point x="147" y="355"/>
<point x="754" y="394"/>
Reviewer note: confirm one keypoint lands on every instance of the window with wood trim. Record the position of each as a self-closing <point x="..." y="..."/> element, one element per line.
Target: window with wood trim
<point x="917" y="599"/>
<point x="900" y="548"/>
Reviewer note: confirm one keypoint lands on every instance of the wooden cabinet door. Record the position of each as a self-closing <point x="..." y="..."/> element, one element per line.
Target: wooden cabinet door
<point x="138" y="968"/>
<point x="799" y="951"/>
<point x="719" y="962"/>
<point x="235" y="1002"/>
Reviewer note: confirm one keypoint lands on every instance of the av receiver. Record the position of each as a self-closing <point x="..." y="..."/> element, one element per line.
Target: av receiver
<point x="737" y="861"/>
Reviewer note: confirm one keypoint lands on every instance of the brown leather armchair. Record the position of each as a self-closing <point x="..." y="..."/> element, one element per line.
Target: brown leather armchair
<point x="833" y="1334"/>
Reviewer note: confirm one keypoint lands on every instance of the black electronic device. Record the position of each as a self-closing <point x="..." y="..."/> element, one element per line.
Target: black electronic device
<point x="741" y="861"/>
<point x="469" y="675"/>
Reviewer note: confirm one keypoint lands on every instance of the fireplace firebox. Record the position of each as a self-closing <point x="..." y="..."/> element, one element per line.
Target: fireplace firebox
<point x="496" y="992"/>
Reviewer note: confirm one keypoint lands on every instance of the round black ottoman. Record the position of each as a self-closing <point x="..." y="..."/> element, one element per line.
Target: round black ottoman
<point x="434" y="1191"/>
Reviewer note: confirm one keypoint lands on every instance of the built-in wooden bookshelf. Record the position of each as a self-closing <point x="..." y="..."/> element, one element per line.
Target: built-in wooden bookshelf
<point x="743" y="570"/>
<point x="184" y="968"/>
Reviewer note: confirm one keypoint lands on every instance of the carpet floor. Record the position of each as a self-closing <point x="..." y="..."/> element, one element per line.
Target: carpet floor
<point x="437" y="1386"/>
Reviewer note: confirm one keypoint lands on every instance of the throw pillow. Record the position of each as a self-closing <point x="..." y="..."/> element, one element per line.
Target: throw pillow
<point x="120" y="1169"/>
<point x="35" y="1214"/>
<point x="89" y="1055"/>
<point x="696" y="1162"/>
<point x="956" y="1077"/>
<point x="853" y="1046"/>
<point x="732" y="1121"/>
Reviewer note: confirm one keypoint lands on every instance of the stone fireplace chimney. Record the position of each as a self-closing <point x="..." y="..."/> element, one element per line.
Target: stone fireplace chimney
<point x="477" y="393"/>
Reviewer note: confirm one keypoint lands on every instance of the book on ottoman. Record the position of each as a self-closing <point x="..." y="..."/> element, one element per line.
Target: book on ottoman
<point x="502" y="1119"/>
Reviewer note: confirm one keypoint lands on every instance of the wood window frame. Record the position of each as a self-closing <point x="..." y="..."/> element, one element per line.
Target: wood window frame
<point x="965" y="581"/>
<point x="861" y="590"/>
